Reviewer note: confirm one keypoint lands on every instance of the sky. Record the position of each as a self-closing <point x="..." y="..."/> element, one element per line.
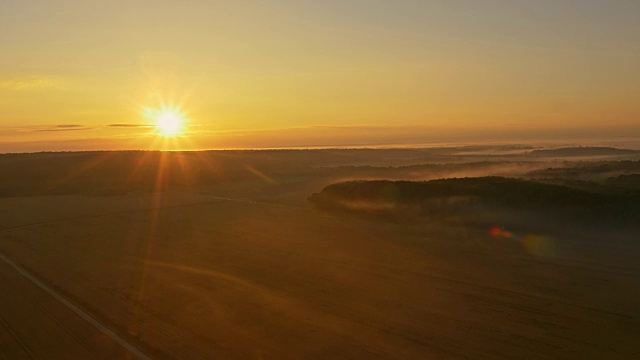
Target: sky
<point x="89" y="75"/>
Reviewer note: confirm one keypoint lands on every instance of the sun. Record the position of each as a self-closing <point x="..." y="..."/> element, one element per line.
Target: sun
<point x="167" y="120"/>
<point x="170" y="123"/>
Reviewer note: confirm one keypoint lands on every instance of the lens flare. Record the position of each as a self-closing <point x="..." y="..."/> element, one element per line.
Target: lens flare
<point x="537" y="245"/>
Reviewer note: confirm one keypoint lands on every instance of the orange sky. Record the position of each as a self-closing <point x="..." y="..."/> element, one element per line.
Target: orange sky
<point x="81" y="74"/>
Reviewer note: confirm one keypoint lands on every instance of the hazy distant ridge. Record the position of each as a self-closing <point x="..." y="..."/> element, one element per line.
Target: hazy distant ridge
<point x="583" y="151"/>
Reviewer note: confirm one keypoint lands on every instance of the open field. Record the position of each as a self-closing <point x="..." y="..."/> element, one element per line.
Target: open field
<point x="246" y="270"/>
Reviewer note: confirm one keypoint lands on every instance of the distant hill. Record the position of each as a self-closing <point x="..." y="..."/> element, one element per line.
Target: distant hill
<point x="120" y="172"/>
<point x="588" y="168"/>
<point x="583" y="151"/>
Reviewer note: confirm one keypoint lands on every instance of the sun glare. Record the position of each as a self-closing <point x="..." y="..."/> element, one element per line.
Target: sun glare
<point x="169" y="122"/>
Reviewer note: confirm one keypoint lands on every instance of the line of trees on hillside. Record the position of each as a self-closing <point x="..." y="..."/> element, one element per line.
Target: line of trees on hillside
<point x="464" y="194"/>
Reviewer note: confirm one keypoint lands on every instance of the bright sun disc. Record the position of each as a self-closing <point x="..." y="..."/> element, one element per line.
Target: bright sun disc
<point x="170" y="123"/>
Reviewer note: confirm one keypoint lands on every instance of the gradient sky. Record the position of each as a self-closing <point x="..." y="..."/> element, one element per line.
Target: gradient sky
<point x="79" y="74"/>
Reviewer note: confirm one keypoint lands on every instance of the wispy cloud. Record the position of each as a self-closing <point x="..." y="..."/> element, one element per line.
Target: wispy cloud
<point x="65" y="127"/>
<point x="123" y="125"/>
<point x="26" y="83"/>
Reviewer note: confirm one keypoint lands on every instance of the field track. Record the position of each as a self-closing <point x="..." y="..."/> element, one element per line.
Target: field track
<point x="77" y="310"/>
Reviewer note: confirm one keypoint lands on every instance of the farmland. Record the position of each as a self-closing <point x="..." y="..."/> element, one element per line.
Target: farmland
<point x="242" y="269"/>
